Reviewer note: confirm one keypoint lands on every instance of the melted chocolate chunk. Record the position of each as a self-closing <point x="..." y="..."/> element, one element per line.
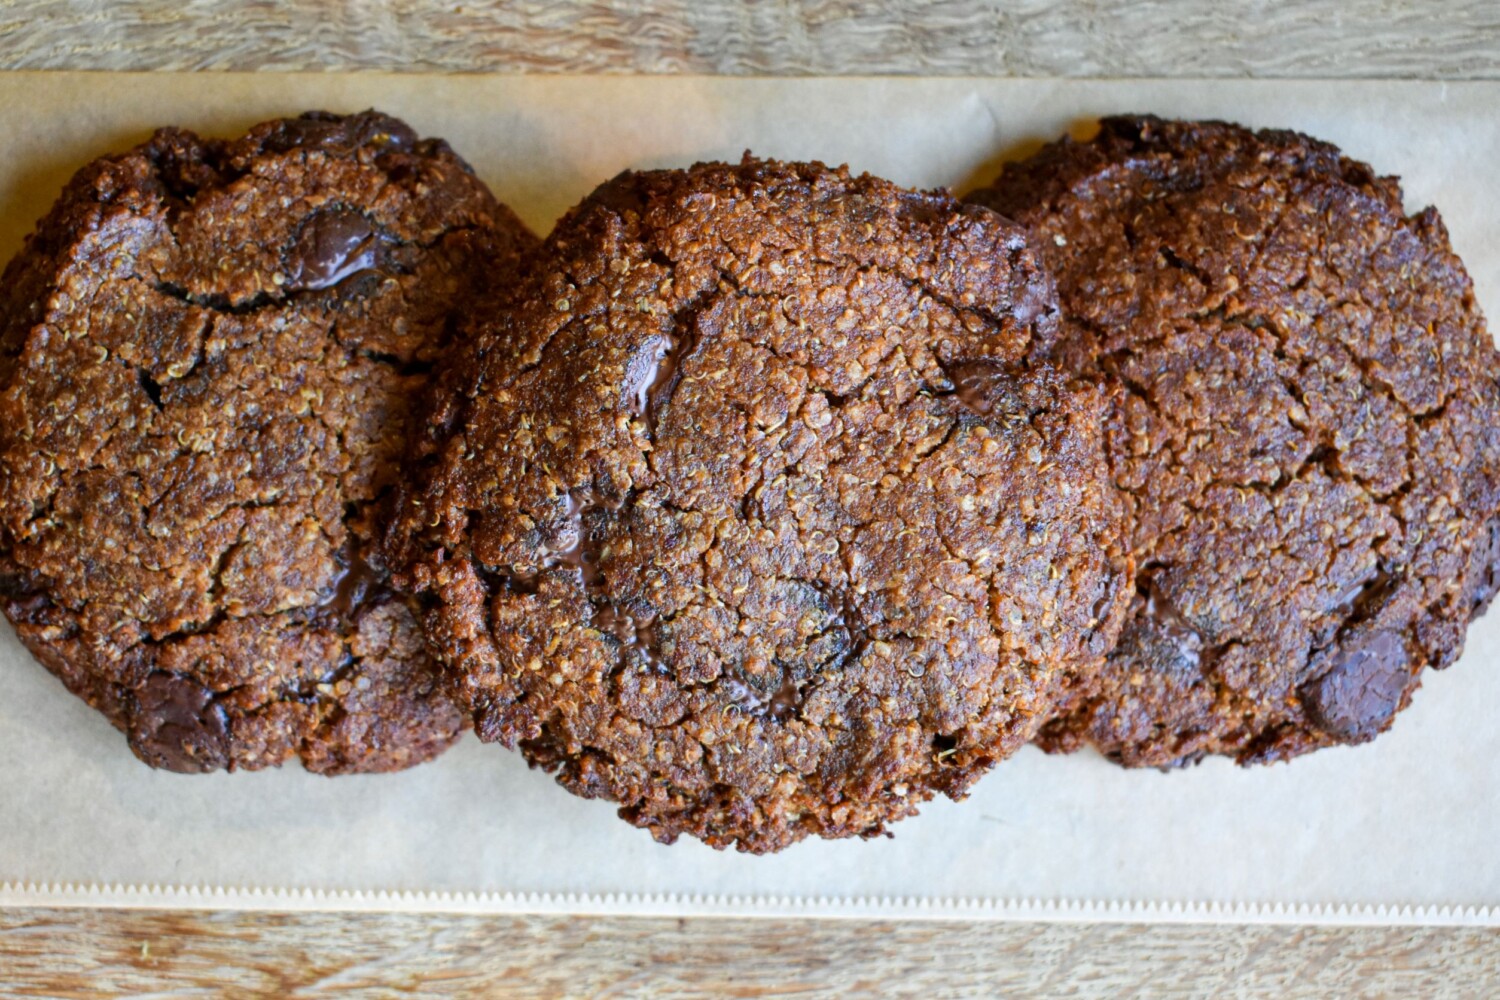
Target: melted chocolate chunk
<point x="653" y="374"/>
<point x="778" y="706"/>
<point x="177" y="726"/>
<point x="984" y="386"/>
<point x="1359" y="695"/>
<point x="332" y="246"/>
<point x="1007" y="392"/>
<point x="840" y="641"/>
<point x="634" y="634"/>
<point x="1169" y="638"/>
<point x="498" y="581"/>
<point x="342" y="134"/>
<point x="844" y="638"/>
<point x="1363" y="599"/>
<point x="649" y="374"/>
<point x="357" y="585"/>
<point x="568" y="546"/>
<point x="785" y="701"/>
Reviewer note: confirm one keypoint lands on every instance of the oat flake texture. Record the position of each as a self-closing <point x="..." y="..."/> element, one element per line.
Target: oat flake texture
<point x="1310" y="437"/>
<point x="207" y="355"/>
<point x="751" y="512"/>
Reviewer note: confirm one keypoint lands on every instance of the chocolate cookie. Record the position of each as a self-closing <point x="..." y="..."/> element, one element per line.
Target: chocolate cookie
<point x="207" y="355"/>
<point x="750" y="513"/>
<point x="1308" y="442"/>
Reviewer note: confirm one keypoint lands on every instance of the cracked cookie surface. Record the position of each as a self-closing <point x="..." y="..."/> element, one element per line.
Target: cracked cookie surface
<point x="1308" y="441"/>
<point x="751" y="514"/>
<point x="207" y="355"/>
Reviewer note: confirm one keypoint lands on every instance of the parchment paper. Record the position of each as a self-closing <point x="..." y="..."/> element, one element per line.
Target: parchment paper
<point x="1409" y="820"/>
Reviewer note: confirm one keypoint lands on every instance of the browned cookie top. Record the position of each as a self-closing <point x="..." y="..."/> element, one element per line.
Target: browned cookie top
<point x="750" y="515"/>
<point x="208" y="351"/>
<point x="1309" y="439"/>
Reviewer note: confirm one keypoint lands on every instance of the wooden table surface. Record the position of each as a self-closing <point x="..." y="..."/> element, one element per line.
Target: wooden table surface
<point x="1450" y="39"/>
<point x="78" y="953"/>
<point x="68" y="953"/>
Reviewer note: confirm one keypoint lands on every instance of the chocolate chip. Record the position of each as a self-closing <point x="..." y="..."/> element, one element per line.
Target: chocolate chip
<point x="571" y="545"/>
<point x="177" y="726"/>
<point x="331" y="246"/>
<point x="1357" y="697"/>
<point x="654" y="372"/>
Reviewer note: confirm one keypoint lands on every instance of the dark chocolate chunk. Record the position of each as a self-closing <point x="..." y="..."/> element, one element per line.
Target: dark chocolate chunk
<point x="332" y="246"/>
<point x="358" y="585"/>
<point x="1358" y="696"/>
<point x="651" y="372"/>
<point x="177" y="725"/>
<point x="341" y="135"/>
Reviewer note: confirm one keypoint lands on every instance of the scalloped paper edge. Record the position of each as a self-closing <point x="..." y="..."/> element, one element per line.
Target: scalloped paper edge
<point x="67" y="895"/>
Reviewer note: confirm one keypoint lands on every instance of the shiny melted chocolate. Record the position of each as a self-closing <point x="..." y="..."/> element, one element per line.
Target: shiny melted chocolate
<point x="333" y="245"/>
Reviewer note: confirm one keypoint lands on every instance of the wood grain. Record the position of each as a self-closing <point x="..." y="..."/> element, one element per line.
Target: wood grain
<point x="76" y="953"/>
<point x="1459" y="39"/>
